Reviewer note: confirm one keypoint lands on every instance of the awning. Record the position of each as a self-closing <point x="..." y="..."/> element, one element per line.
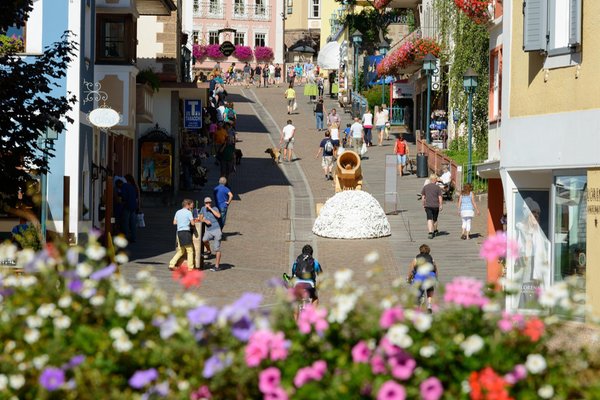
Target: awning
<point x="329" y="56"/>
<point x="489" y="169"/>
<point x="302" y="48"/>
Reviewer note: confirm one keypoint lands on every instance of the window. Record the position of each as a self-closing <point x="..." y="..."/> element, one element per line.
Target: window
<point x="260" y="39"/>
<point x="195" y="37"/>
<point x="214" y="7"/>
<point x="315" y="9"/>
<point x="116" y="41"/>
<point x="495" y="94"/>
<point x="213" y="37"/>
<point x="259" y="8"/>
<point x="552" y="26"/>
<point x="239" y="39"/>
<point x="239" y="8"/>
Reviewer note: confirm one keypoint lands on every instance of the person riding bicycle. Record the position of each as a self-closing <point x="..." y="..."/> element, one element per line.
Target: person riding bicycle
<point x="305" y="271"/>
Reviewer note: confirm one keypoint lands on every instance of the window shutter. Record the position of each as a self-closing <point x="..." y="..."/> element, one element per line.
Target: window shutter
<point x="535" y="25"/>
<point x="574" y="23"/>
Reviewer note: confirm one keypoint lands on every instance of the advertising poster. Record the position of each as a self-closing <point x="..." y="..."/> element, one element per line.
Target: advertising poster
<point x="157" y="166"/>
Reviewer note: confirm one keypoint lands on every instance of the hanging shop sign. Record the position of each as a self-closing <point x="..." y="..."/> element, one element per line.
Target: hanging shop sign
<point x="227" y="48"/>
<point x="104" y="117"/>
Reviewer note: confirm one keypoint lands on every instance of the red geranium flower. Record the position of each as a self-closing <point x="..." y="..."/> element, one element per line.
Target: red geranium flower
<point x="534" y="328"/>
<point x="476" y="10"/>
<point x="488" y="385"/>
<point x="186" y="277"/>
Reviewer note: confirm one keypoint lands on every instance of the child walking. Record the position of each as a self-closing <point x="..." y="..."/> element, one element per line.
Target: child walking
<point x="423" y="274"/>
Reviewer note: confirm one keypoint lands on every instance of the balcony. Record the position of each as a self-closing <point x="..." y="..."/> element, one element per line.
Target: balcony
<point x="255" y="12"/>
<point x="209" y="9"/>
<point x="144" y="103"/>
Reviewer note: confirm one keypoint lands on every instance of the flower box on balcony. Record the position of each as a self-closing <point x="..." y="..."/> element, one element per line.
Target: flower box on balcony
<point x="476" y="10"/>
<point x="243" y="53"/>
<point x="263" y="53"/>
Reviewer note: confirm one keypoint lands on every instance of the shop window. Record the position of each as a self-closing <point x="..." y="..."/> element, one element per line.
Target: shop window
<point x="260" y="39"/>
<point x="116" y="41"/>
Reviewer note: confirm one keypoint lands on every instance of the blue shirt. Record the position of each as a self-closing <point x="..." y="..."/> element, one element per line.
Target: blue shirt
<point x="214" y="224"/>
<point x="221" y="193"/>
<point x="318" y="270"/>
<point x="184" y="219"/>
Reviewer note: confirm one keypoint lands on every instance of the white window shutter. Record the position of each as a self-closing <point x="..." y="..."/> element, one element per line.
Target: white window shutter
<point x="574" y="23"/>
<point x="535" y="25"/>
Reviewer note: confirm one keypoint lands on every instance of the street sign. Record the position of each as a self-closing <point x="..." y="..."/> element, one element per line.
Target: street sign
<point x="192" y="115"/>
<point x="227" y="48"/>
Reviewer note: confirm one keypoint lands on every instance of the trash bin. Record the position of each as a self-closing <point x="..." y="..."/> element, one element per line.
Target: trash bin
<point x="422" y="168"/>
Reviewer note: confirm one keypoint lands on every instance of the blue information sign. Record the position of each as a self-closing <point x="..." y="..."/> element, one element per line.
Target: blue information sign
<point x="192" y="116"/>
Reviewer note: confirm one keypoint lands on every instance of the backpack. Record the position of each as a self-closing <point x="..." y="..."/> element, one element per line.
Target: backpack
<point x="305" y="267"/>
<point x="328" y="146"/>
<point x="230" y="114"/>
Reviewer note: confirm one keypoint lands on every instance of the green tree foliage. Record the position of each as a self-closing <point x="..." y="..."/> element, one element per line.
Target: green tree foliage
<point x="28" y="107"/>
<point x="14" y="13"/>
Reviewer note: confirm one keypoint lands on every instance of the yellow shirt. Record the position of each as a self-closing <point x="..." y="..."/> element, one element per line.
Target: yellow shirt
<point x="290" y="93"/>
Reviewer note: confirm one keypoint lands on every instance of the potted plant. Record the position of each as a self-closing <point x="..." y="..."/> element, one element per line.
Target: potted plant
<point x="263" y="53"/>
<point x="476" y="10"/>
<point x="243" y="53"/>
<point x="149" y="76"/>
<point x="214" y="51"/>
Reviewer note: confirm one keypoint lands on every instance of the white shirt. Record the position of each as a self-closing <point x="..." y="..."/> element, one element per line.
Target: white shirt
<point x="446" y="177"/>
<point x="386" y="116"/>
<point x="335" y="134"/>
<point x="356" y="129"/>
<point x="288" y="131"/>
<point x="271" y="69"/>
<point x="221" y="114"/>
<point x="367" y="119"/>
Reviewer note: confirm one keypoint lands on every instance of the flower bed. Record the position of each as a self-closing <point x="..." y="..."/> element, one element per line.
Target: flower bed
<point x="75" y="329"/>
<point x="199" y="51"/>
<point x="243" y="53"/>
<point x="263" y="53"/>
<point x="408" y="53"/>
<point x="476" y="10"/>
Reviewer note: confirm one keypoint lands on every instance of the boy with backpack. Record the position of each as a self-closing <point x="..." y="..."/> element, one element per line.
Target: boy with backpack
<point x="327" y="147"/>
<point x="423" y="274"/>
<point x="305" y="270"/>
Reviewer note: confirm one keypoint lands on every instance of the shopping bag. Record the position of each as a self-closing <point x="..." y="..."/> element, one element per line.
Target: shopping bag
<point x="141" y="223"/>
<point x="295" y="107"/>
<point x="363" y="149"/>
<point x="340" y="150"/>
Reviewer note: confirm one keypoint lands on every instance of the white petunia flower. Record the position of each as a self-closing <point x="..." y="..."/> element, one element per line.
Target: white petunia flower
<point x="124" y="308"/>
<point x="89" y="289"/>
<point x="19" y="356"/>
<point x="121" y="258"/>
<point x="122" y="344"/>
<point x="397" y="333"/>
<point x="124" y="289"/>
<point x="546" y="392"/>
<point x="11" y="281"/>
<point x="31" y="335"/>
<point x="427" y="351"/>
<point x="535" y="364"/>
<point x="465" y="387"/>
<point x="472" y="345"/>
<point x="46" y="310"/>
<point x="183" y="386"/>
<point x="491" y="307"/>
<point x="65" y="301"/>
<point x="62" y="322"/>
<point x="16" y="381"/>
<point x="23" y="366"/>
<point x="3" y="382"/>
<point x="28" y="280"/>
<point x="135" y="325"/>
<point x="372" y="257"/>
<point x="97" y="300"/>
<point x="9" y="346"/>
<point x="422" y="322"/>
<point x="95" y="252"/>
<point x="342" y="277"/>
<point x="143" y="275"/>
<point x="343" y="305"/>
<point x="25" y="256"/>
<point x="116" y="333"/>
<point x="34" y="321"/>
<point x="192" y="299"/>
<point x="84" y="270"/>
<point x="40" y="361"/>
<point x="140" y="295"/>
<point x="120" y="241"/>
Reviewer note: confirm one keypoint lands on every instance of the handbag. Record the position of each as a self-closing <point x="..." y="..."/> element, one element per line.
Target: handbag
<point x="295" y="106"/>
<point x="141" y="223"/>
<point x="363" y="149"/>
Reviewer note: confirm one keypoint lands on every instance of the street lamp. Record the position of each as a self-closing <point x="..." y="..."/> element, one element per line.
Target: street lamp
<point x="429" y="66"/>
<point x="384" y="46"/>
<point x="357" y="38"/>
<point x="470" y="85"/>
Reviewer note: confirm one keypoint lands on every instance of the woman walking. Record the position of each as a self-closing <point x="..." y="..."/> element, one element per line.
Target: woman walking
<point x="367" y="122"/>
<point x="467" y="208"/>
<point x="380" y="124"/>
<point x="319" y="113"/>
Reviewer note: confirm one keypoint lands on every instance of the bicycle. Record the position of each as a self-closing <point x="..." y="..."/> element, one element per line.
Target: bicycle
<point x="302" y="293"/>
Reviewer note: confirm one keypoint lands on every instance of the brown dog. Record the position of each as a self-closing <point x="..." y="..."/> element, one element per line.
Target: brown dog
<point x="274" y="153"/>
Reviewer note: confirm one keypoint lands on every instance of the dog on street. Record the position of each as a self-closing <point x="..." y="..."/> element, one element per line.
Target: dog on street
<point x="274" y="153"/>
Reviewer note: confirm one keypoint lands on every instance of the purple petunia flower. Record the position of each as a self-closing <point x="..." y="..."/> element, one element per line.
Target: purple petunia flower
<point x="160" y="389"/>
<point x="52" y="378"/>
<point x="75" y="285"/>
<point x="103" y="273"/>
<point x="243" y="329"/>
<point x="142" y="377"/>
<point x="74" y="362"/>
<point x="214" y="364"/>
<point x="168" y="327"/>
<point x="248" y="301"/>
<point x="203" y="315"/>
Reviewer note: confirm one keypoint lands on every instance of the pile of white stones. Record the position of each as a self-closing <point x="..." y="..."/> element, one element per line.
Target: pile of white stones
<point x="352" y="214"/>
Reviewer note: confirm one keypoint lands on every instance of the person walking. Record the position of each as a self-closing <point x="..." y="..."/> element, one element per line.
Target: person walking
<point x="210" y="216"/>
<point x="367" y="121"/>
<point x="184" y="219"/>
<point x="467" y="207"/>
<point x="271" y="74"/>
<point x="326" y="147"/>
<point x="423" y="273"/>
<point x="277" y="75"/>
<point x="431" y="195"/>
<point x="287" y="140"/>
<point x="401" y="151"/>
<point x="333" y="117"/>
<point x="129" y="197"/>
<point x="380" y="121"/>
<point x="223" y="197"/>
<point x="386" y="121"/>
<point x="265" y="74"/>
<point x="290" y="95"/>
<point x="334" y="130"/>
<point x="247" y="75"/>
<point x="291" y="76"/>
<point x="319" y="112"/>
<point x="358" y="135"/>
<point x="257" y="75"/>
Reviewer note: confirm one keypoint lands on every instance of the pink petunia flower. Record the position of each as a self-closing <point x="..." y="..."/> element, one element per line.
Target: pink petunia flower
<point x="269" y="380"/>
<point x="315" y="372"/>
<point x="391" y="390"/>
<point x="390" y="316"/>
<point x="402" y="367"/>
<point x="277" y="394"/>
<point x="265" y="344"/>
<point x="498" y="246"/>
<point x="431" y="389"/>
<point x="313" y="316"/>
<point x="378" y="365"/>
<point x="320" y="367"/>
<point x="466" y="292"/>
<point x="361" y="352"/>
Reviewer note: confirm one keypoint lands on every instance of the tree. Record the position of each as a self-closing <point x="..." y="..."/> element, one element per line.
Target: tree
<point x="28" y="108"/>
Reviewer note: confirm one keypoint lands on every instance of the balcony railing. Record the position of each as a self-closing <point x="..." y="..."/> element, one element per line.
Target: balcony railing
<point x="252" y="12"/>
<point x="209" y="9"/>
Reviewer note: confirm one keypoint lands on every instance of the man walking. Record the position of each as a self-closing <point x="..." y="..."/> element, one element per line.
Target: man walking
<point x="130" y="205"/>
<point x="333" y="118"/>
<point x="223" y="197"/>
<point x="184" y="220"/>
<point x="327" y="148"/>
<point x="432" y="203"/>
<point x="287" y="140"/>
<point x="209" y="216"/>
<point x="358" y="135"/>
